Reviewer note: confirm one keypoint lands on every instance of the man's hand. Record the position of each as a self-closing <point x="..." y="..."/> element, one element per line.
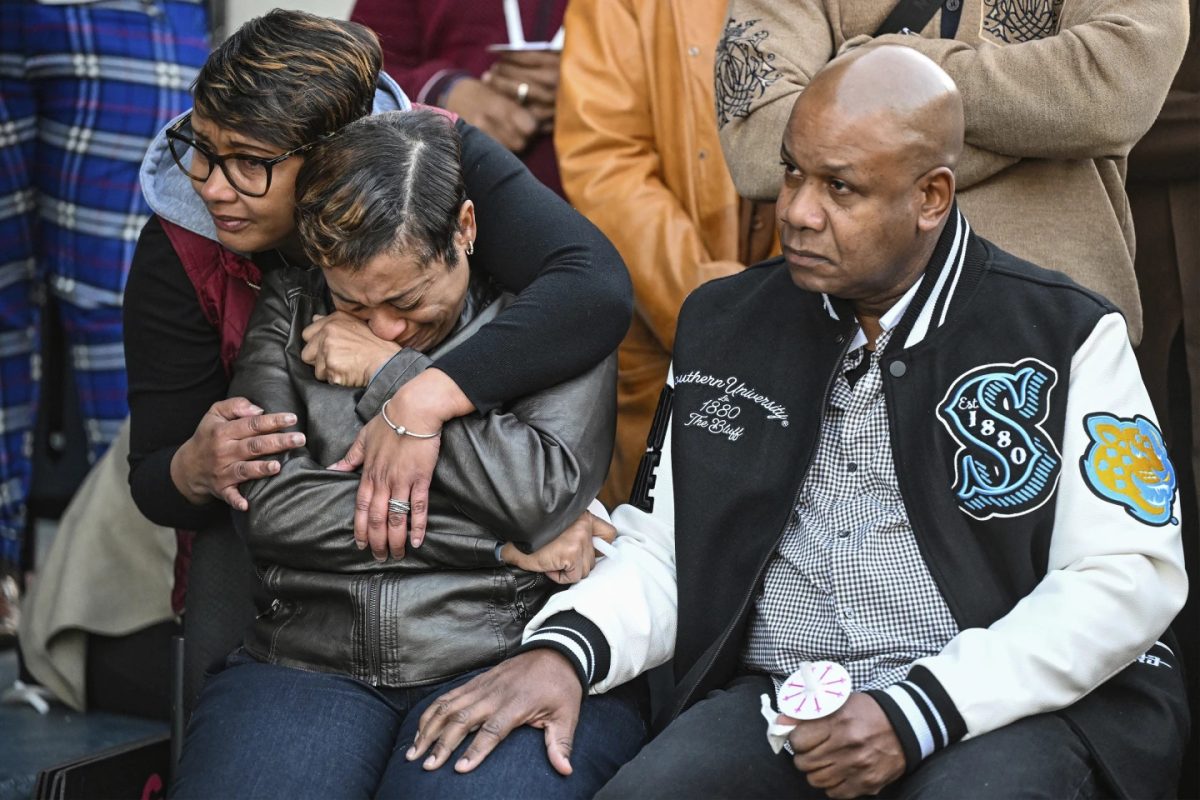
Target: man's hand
<point x="851" y="753"/>
<point x="400" y="467"/>
<point x="538" y="688"/>
<point x="569" y="557"/>
<point x="539" y="71"/>
<point x="223" y="451"/>
<point x="343" y="351"/>
<point x="496" y="114"/>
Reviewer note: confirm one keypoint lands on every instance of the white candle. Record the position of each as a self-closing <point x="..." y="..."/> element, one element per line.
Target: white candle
<point x="512" y="21"/>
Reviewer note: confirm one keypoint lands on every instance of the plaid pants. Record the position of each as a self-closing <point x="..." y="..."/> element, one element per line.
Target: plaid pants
<point x="83" y="90"/>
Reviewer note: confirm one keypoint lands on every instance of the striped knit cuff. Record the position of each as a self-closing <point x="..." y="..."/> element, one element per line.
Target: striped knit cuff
<point x="579" y="640"/>
<point x="922" y="714"/>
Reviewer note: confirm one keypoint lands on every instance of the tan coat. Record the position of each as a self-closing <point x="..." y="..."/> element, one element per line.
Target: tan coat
<point x="109" y="572"/>
<point x="1056" y="93"/>
<point x="639" y="156"/>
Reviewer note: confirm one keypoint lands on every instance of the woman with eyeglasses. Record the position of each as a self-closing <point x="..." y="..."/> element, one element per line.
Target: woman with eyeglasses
<point x="221" y="182"/>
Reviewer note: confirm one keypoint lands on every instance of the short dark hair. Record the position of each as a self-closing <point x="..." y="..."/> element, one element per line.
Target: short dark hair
<point x="289" y="77"/>
<point x="388" y="183"/>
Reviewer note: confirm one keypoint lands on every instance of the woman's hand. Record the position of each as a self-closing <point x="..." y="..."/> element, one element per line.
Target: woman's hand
<point x="343" y="351"/>
<point x="223" y="451"/>
<point x="401" y="467"/>
<point x="567" y="559"/>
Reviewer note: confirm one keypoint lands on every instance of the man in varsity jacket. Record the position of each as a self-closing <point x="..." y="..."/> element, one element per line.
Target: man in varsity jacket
<point x="898" y="448"/>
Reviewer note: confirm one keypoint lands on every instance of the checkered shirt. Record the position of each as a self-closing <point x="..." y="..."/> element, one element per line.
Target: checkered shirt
<point x="847" y="582"/>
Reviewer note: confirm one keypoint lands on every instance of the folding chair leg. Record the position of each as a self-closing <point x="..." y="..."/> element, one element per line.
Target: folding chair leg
<point x="177" y="710"/>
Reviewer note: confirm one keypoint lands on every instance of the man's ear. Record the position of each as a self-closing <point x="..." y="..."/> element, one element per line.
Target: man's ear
<point x="466" y="221"/>
<point x="937" y="195"/>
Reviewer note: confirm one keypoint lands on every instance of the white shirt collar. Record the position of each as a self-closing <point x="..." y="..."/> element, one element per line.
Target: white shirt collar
<point x="890" y="317"/>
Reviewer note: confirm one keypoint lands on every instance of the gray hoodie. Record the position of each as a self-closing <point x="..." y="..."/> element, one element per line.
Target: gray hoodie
<point x="169" y="191"/>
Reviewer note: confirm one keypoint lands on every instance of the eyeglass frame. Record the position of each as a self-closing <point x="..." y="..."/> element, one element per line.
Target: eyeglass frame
<point x="215" y="160"/>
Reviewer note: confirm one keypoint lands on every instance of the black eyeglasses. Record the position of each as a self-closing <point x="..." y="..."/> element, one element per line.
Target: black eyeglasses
<point x="249" y="175"/>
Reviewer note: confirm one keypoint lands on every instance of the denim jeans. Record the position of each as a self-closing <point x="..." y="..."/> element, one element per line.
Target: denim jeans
<point x="718" y="749"/>
<point x="263" y="730"/>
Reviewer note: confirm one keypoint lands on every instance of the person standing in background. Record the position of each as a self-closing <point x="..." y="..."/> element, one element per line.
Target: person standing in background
<point x="494" y="63"/>
<point x="1056" y="94"/>
<point x="84" y="87"/>
<point x="636" y="131"/>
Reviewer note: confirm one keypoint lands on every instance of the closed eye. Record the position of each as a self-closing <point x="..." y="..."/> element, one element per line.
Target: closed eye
<point x="349" y="308"/>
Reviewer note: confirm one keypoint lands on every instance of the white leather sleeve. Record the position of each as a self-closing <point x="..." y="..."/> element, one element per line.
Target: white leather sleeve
<point x="1113" y="585"/>
<point x="630" y="596"/>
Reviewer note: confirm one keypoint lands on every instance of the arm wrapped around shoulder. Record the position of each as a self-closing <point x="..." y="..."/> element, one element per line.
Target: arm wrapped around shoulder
<point x="528" y="471"/>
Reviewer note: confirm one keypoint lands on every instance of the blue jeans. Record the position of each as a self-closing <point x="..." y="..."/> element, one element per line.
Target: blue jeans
<point x="262" y="730"/>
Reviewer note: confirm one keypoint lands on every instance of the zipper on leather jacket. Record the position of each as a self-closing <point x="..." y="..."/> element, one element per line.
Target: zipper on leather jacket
<point x="519" y="605"/>
<point x="270" y="612"/>
<point x="762" y="567"/>
<point x="374" y="656"/>
<point x="267" y="579"/>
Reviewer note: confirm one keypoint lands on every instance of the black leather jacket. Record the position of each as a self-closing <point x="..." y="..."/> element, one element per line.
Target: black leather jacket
<point x="521" y="474"/>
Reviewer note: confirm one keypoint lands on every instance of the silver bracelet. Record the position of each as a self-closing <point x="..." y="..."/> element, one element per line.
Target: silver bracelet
<point x="400" y="429"/>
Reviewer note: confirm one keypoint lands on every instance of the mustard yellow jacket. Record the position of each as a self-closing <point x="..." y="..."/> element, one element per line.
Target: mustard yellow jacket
<point x="639" y="155"/>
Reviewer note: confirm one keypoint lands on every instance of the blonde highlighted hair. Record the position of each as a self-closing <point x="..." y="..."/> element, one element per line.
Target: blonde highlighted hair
<point x="388" y="183"/>
<point x="289" y="77"/>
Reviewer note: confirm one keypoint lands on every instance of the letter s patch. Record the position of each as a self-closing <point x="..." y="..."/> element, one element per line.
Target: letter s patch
<point x="1006" y="464"/>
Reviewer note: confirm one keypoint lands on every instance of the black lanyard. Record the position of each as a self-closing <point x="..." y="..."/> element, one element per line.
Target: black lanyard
<point x="951" y="11"/>
<point x="913" y="15"/>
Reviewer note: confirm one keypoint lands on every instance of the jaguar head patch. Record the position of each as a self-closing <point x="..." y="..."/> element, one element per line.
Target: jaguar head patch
<point x="1126" y="463"/>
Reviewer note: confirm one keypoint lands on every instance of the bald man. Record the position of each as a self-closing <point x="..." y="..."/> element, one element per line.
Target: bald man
<point x="901" y="449"/>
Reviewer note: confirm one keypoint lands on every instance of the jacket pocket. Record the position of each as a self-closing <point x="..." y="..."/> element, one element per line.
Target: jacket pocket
<point x="528" y="592"/>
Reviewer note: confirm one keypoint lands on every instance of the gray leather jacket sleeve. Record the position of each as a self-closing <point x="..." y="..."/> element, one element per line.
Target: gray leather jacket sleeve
<point x="521" y="473"/>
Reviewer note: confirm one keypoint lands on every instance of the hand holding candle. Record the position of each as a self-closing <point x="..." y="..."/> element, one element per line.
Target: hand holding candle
<point x="817" y="689"/>
<point x="840" y="739"/>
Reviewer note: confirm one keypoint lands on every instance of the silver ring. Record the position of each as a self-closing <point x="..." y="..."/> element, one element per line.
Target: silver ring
<point x="398" y="506"/>
<point x="522" y="92"/>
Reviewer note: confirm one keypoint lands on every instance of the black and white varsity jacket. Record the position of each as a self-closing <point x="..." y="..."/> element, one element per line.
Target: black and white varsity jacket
<point x="1031" y="466"/>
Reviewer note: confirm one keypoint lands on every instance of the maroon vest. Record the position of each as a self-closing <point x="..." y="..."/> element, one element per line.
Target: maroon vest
<point x="226" y="287"/>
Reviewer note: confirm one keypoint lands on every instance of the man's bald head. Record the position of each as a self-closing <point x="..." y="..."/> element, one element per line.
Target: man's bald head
<point x="897" y="89"/>
<point x="869" y="155"/>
